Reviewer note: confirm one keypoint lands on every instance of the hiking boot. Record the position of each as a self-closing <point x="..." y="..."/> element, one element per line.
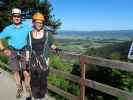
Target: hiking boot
<point x="29" y="98"/>
<point x="38" y="99"/>
<point x="19" y="91"/>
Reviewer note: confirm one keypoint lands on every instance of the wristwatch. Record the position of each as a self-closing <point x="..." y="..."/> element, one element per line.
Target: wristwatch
<point x="1" y="50"/>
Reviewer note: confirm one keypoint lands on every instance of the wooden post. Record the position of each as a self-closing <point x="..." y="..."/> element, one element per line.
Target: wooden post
<point x="82" y="78"/>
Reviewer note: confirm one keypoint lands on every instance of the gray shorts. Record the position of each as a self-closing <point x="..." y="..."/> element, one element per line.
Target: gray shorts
<point x="15" y="63"/>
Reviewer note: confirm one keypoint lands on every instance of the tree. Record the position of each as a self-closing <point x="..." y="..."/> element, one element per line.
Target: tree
<point x="46" y="8"/>
<point x="28" y="8"/>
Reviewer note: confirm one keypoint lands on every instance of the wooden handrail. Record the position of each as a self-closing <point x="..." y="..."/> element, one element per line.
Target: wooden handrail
<point x="62" y="92"/>
<point x="114" y="64"/>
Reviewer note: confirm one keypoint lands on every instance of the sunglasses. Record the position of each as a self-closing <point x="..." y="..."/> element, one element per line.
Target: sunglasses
<point x="17" y="16"/>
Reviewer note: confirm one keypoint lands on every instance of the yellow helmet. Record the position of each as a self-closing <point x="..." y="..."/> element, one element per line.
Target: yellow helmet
<point x="38" y="17"/>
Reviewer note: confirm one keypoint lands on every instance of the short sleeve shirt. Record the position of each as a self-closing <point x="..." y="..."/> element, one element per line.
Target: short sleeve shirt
<point x="16" y="35"/>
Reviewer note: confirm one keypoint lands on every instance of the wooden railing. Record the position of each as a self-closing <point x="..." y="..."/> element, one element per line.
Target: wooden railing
<point x="83" y="59"/>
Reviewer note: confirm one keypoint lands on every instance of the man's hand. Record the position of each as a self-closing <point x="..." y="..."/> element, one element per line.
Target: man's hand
<point x="7" y="52"/>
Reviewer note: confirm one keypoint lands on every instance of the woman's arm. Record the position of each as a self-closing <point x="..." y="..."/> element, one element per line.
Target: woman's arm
<point x="51" y="43"/>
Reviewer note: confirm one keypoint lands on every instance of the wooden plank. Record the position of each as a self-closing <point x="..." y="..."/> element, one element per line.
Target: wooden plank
<point x="70" y="56"/>
<point x="95" y="85"/>
<point x="109" y="90"/>
<point x="110" y="63"/>
<point x="101" y="61"/>
<point x="62" y="93"/>
<point x="82" y="78"/>
<point x="65" y="75"/>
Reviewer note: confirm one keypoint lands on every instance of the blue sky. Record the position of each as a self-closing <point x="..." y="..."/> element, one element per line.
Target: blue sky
<point x="94" y="14"/>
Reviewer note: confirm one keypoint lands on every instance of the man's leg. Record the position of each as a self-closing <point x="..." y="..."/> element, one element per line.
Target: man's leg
<point x="18" y="83"/>
<point x="17" y="78"/>
<point x="13" y="61"/>
<point x="26" y="78"/>
<point x="27" y="84"/>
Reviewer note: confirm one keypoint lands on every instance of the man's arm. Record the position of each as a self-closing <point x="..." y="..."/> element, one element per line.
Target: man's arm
<point x="4" y="34"/>
<point x="1" y="46"/>
<point x="6" y="51"/>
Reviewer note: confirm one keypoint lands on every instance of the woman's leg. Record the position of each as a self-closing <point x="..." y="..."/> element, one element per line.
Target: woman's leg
<point x="43" y="83"/>
<point x="38" y="84"/>
<point x="35" y="84"/>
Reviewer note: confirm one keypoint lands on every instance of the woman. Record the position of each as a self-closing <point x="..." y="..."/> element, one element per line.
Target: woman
<point x="39" y="42"/>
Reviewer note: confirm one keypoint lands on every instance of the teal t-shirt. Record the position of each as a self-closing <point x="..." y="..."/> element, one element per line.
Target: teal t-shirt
<point x="17" y="36"/>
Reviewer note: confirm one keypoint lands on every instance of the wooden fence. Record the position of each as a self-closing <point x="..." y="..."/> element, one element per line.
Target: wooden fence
<point x="83" y="59"/>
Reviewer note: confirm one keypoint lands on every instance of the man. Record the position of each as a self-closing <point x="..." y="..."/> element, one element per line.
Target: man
<point x="17" y="37"/>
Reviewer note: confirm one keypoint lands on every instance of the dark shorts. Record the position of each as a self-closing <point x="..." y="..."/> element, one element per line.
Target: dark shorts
<point x="15" y="63"/>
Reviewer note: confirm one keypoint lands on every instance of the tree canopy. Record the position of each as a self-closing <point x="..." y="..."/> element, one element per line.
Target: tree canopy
<point x="28" y="8"/>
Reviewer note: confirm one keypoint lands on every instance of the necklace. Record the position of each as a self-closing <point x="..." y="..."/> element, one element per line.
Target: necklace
<point x="38" y="34"/>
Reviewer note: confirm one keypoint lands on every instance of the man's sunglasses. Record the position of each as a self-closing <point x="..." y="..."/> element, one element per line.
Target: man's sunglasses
<point x="17" y="16"/>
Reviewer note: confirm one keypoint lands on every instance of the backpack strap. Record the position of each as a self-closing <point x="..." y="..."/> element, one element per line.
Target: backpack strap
<point x="46" y="41"/>
<point x="30" y="41"/>
<point x="46" y="46"/>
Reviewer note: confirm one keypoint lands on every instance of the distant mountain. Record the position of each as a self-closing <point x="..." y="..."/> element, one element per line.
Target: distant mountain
<point x="120" y="34"/>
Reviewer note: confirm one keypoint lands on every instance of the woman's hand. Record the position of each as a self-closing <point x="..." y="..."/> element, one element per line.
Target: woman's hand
<point x="53" y="46"/>
<point x="58" y="50"/>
